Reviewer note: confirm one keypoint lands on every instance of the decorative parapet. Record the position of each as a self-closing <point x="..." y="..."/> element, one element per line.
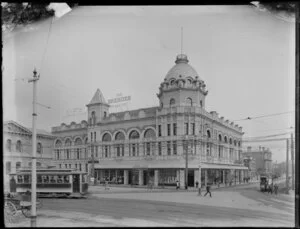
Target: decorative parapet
<point x="73" y="125"/>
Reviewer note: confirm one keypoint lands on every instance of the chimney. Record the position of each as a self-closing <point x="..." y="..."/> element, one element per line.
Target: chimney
<point x="249" y="149"/>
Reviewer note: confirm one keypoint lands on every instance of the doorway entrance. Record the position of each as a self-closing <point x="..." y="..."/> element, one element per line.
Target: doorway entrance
<point x="76" y="183"/>
<point x="191" y="178"/>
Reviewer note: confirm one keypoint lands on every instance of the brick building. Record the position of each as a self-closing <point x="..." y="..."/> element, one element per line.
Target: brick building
<point x="150" y="144"/>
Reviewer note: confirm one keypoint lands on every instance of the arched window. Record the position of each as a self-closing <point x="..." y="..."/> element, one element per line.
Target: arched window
<point x="68" y="142"/>
<point x="93" y="116"/>
<point x="18" y="165"/>
<point x="230" y="141"/>
<point x="189" y="81"/>
<point x="19" y="146"/>
<point x="149" y="134"/>
<point x="106" y="138"/>
<point x="172" y="82"/>
<point x="78" y="142"/>
<point x="120" y="136"/>
<point x="105" y="114"/>
<point x="220" y="138"/>
<point x="189" y="102"/>
<point x="134" y="135"/>
<point x="39" y="148"/>
<point x="239" y="144"/>
<point x="8" y="145"/>
<point x="208" y="133"/>
<point x="172" y="102"/>
<point x="58" y="144"/>
<point x="201" y="104"/>
<point x="234" y="142"/>
<point x="225" y="139"/>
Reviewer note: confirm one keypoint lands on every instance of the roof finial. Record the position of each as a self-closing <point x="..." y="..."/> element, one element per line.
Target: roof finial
<point x="181" y="39"/>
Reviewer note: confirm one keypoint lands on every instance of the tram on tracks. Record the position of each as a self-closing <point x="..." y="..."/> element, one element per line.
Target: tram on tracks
<point x="51" y="182"/>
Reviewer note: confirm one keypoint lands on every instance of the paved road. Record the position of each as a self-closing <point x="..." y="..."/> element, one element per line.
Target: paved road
<point x="111" y="211"/>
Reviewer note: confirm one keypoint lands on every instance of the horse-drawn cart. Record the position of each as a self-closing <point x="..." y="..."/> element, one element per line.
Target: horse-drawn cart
<point x="18" y="202"/>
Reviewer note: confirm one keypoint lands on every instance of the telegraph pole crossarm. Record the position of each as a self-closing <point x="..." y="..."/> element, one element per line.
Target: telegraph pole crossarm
<point x="33" y="164"/>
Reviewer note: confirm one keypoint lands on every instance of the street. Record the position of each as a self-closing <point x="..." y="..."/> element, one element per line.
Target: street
<point x="233" y="206"/>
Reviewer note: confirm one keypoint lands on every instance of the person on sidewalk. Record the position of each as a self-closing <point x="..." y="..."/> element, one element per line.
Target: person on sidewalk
<point x="207" y="190"/>
<point x="177" y="185"/>
<point x="276" y="188"/>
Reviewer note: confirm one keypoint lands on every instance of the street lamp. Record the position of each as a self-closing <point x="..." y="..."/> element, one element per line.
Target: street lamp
<point x="186" y="162"/>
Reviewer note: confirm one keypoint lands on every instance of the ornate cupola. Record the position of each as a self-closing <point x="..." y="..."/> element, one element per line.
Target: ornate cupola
<point x="182" y="86"/>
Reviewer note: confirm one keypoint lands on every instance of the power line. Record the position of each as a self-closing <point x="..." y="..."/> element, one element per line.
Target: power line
<point x="262" y="116"/>
<point x="267" y="136"/>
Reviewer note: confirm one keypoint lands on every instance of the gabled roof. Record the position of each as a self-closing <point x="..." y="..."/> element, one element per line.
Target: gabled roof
<point x="25" y="129"/>
<point x="98" y="98"/>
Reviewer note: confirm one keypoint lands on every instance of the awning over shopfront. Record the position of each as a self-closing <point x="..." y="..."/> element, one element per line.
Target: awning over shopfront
<point x="162" y="164"/>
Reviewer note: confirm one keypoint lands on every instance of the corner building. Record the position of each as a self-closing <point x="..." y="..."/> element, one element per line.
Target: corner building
<point x="152" y="144"/>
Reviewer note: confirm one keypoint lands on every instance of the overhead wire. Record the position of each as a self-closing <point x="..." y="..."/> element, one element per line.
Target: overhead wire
<point x="263" y="116"/>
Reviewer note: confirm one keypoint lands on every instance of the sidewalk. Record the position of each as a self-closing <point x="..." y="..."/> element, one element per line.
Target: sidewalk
<point x="143" y="188"/>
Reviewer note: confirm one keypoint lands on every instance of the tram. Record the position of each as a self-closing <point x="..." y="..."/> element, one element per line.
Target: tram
<point x="51" y="182"/>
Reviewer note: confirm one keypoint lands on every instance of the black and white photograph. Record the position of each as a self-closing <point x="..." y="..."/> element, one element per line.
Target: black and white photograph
<point x="149" y="115"/>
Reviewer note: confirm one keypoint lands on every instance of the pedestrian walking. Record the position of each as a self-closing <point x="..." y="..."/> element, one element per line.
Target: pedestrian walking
<point x="106" y="184"/>
<point x="177" y="185"/>
<point x="276" y="188"/>
<point x="207" y="190"/>
<point x="197" y="183"/>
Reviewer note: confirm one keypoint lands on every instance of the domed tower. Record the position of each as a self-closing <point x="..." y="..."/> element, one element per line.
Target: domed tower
<point x="97" y="108"/>
<point x="182" y="86"/>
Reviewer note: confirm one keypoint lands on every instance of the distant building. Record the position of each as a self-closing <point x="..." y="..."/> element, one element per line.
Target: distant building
<point x="251" y="164"/>
<point x="150" y="144"/>
<point x="263" y="159"/>
<point x="17" y="148"/>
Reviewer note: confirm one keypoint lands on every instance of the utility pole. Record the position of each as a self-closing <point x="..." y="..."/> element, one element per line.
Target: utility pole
<point x="93" y="165"/>
<point x="186" y="162"/>
<point x="292" y="158"/>
<point x="33" y="164"/>
<point x="287" y="167"/>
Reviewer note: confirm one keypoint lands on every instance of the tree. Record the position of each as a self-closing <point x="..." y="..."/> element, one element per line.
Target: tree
<point x="14" y="14"/>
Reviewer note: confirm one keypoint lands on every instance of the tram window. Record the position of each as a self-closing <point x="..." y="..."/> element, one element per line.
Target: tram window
<point x="59" y="179"/>
<point x="52" y="179"/>
<point x="26" y="178"/>
<point x="66" y="179"/>
<point x="39" y="179"/>
<point x="45" y="179"/>
<point x="20" y="179"/>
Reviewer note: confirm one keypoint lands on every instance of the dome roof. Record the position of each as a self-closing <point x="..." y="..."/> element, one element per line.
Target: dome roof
<point x="181" y="68"/>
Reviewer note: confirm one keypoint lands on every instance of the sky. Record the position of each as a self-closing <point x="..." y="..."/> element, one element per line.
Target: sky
<point x="245" y="56"/>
